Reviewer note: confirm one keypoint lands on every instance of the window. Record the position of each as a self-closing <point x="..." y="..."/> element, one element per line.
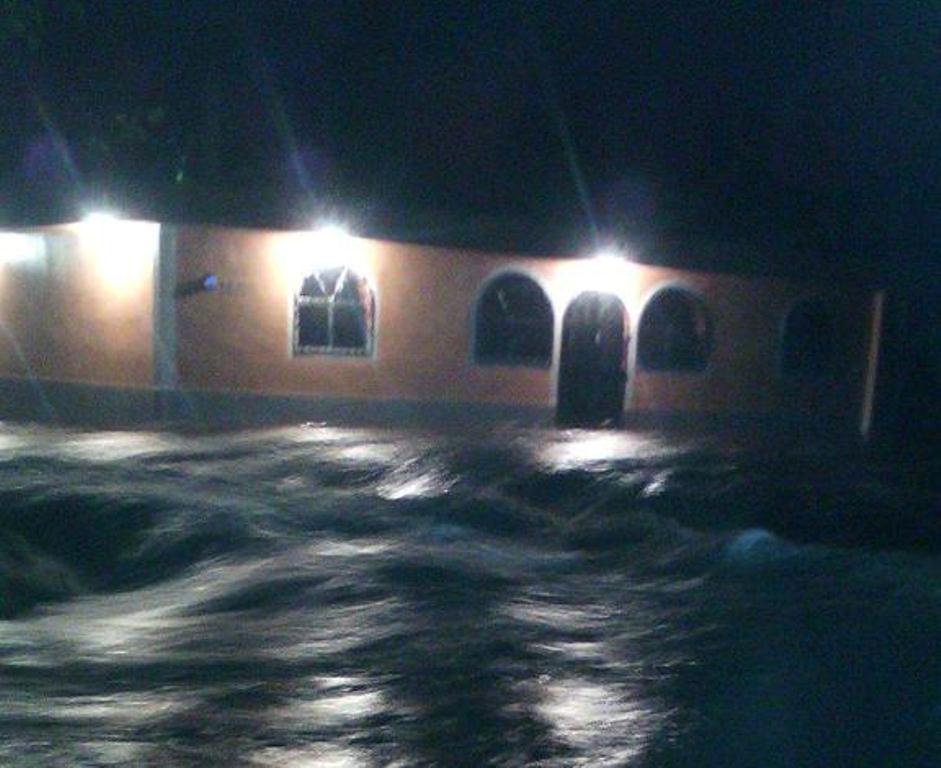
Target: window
<point x="675" y="332"/>
<point x="334" y="314"/>
<point x="807" y="346"/>
<point x="514" y="324"/>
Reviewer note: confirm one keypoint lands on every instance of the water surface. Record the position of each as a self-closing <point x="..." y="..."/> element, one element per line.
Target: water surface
<point x="316" y="596"/>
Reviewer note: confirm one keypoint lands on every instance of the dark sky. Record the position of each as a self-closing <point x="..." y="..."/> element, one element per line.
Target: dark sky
<point x="795" y="137"/>
<point x="805" y="129"/>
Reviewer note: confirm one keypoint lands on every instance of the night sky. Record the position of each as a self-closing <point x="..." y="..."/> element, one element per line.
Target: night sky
<point x="791" y="137"/>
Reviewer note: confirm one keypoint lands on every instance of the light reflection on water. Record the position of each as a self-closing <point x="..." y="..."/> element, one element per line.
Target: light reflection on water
<point x="607" y="726"/>
<point x="581" y="449"/>
<point x="594" y="699"/>
<point x="334" y="701"/>
<point x="322" y="596"/>
<point x="409" y="481"/>
<point x="125" y="709"/>
<point x="319" y="756"/>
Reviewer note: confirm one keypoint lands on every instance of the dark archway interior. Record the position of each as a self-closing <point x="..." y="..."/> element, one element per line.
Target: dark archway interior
<point x="514" y="323"/>
<point x="593" y="366"/>
<point x="675" y="333"/>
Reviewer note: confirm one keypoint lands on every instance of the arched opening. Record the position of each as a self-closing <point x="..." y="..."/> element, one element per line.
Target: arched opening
<point x="807" y="346"/>
<point x="593" y="365"/>
<point x="675" y="332"/>
<point x="513" y="323"/>
<point x="334" y="314"/>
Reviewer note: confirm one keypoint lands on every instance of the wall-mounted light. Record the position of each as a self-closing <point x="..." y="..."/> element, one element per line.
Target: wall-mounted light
<point x="123" y="250"/>
<point x="608" y="267"/>
<point x="17" y="247"/>
<point x="606" y="271"/>
<point x="325" y="247"/>
<point x="331" y="246"/>
<point x="100" y="221"/>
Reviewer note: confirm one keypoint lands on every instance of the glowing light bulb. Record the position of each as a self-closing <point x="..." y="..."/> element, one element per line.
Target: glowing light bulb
<point x="123" y="250"/>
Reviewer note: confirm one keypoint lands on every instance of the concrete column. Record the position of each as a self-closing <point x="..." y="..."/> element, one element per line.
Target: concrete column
<point x="166" y="378"/>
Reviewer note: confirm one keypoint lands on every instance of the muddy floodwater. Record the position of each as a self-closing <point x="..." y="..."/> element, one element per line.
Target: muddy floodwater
<point x="316" y="596"/>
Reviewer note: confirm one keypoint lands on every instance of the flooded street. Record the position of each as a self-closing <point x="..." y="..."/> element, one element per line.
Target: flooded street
<point x="315" y="596"/>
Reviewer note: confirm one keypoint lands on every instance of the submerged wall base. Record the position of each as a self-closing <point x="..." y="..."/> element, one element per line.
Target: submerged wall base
<point x="69" y="403"/>
<point x="238" y="409"/>
<point x="116" y="408"/>
<point x="101" y="407"/>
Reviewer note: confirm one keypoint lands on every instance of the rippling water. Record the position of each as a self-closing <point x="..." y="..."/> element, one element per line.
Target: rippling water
<point x="317" y="596"/>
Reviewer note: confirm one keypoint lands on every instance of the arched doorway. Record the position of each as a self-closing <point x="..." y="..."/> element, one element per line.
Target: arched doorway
<point x="593" y="364"/>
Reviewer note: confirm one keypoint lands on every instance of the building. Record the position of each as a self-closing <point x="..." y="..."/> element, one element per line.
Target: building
<point x="112" y="321"/>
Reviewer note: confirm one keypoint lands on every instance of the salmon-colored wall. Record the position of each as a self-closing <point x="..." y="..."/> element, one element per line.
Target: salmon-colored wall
<point x="743" y="373"/>
<point x="239" y="338"/>
<point x="80" y="309"/>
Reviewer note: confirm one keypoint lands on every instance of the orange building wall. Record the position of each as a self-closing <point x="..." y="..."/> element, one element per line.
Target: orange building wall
<point x="743" y="372"/>
<point x="68" y="314"/>
<point x="82" y="311"/>
<point x="239" y="338"/>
